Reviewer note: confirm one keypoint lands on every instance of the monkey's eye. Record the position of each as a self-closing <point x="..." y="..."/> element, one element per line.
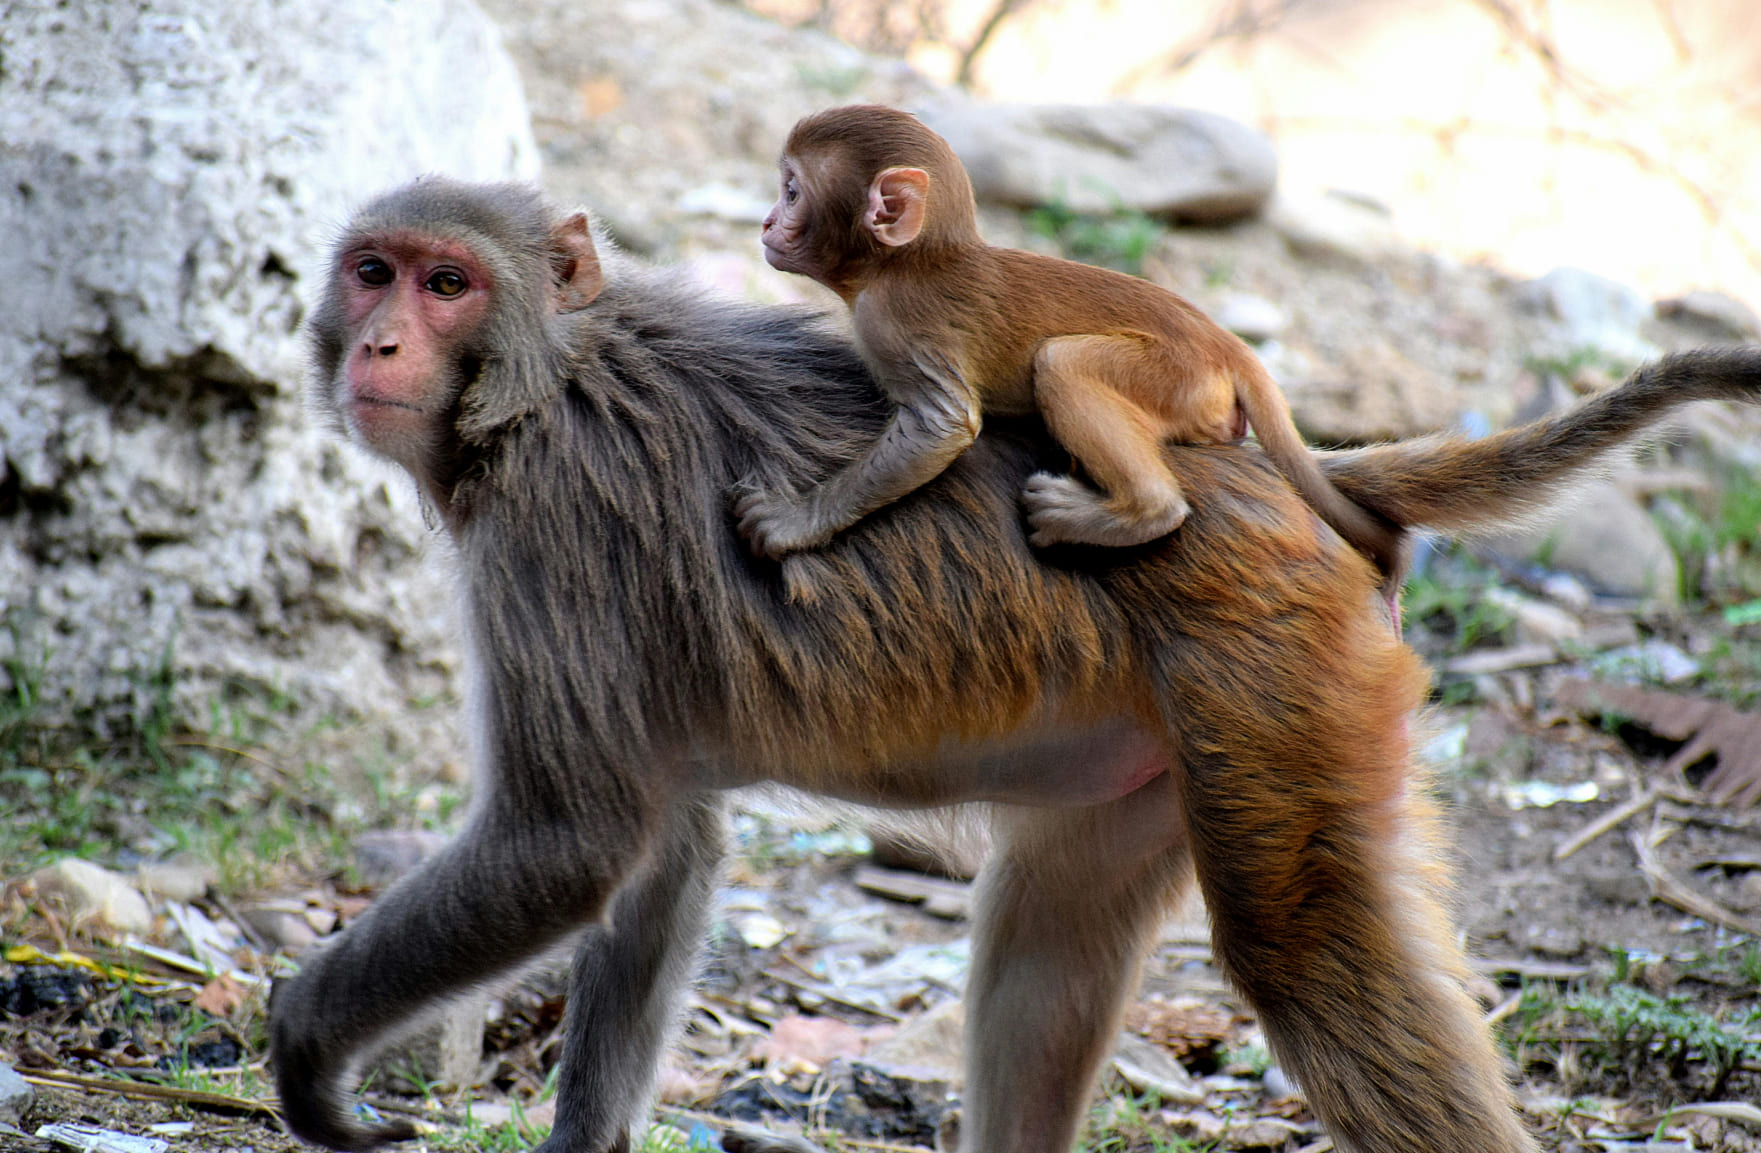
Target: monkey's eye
<point x="445" y="282"/>
<point x="791" y="191"/>
<point x="373" y="272"/>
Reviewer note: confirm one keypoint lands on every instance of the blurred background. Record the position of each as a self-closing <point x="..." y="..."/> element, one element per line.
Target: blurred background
<point x="1527" y="132"/>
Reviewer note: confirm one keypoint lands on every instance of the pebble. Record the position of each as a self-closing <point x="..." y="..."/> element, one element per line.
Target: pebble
<point x="1149" y="1069"/>
<point x="384" y="855"/>
<point x="176" y="880"/>
<point x="1253" y="318"/>
<point x="1265" y="1133"/>
<point x="1336" y="224"/>
<point x="1536" y="622"/>
<point x="95" y="893"/>
<point x="1606" y="538"/>
<point x="16" y="1096"/>
<point x="1592" y="312"/>
<point x="1727" y="314"/>
<point x="1280" y="1084"/>
<point x="282" y="924"/>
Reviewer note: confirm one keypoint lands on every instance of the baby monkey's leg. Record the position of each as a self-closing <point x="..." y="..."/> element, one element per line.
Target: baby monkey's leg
<point x="1082" y="385"/>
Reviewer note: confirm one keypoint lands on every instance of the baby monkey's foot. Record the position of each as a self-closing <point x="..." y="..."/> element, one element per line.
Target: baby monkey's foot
<point x="1063" y="510"/>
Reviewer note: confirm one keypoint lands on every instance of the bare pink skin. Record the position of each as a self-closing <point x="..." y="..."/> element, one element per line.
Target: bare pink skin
<point x="409" y="299"/>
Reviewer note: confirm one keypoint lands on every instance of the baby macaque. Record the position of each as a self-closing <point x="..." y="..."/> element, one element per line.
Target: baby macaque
<point x="877" y="207"/>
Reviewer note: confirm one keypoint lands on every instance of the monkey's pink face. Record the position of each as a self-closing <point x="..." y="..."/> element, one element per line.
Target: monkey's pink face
<point x="409" y="303"/>
<point x="785" y="231"/>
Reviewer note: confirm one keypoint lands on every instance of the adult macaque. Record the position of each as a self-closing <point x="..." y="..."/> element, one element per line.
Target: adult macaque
<point x="1230" y="704"/>
<point x="877" y="207"/>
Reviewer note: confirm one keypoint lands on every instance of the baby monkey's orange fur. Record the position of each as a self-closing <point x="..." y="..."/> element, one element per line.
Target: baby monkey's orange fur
<point x="878" y="208"/>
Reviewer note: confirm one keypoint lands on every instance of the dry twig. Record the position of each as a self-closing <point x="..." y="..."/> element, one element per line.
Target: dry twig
<point x="1666" y="888"/>
<point x="1607" y="821"/>
<point x="142" y="1091"/>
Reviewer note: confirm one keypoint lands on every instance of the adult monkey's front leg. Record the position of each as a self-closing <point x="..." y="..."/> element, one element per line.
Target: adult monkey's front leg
<point x="625" y="983"/>
<point x="512" y="885"/>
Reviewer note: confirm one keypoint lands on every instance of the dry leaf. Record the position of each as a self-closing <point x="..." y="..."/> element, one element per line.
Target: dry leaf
<point x="815" y="1040"/>
<point x="599" y="97"/>
<point x="1710" y="728"/>
<point x="221" y="996"/>
<point x="1184" y="1025"/>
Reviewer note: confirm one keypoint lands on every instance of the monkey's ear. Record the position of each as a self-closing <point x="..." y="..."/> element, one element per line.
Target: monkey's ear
<point x="898" y="201"/>
<point x="572" y="256"/>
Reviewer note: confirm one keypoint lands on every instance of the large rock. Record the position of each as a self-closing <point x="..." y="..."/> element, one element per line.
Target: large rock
<point x="1605" y="536"/>
<point x="169" y="176"/>
<point x="666" y="116"/>
<point x="1178" y="163"/>
<point x="1593" y="314"/>
<point x="1336" y="225"/>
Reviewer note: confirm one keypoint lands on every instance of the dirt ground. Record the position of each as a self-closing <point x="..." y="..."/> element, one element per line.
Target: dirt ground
<point x="799" y="905"/>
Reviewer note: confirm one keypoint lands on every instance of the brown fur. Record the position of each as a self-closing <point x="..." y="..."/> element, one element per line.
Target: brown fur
<point x="1117" y="366"/>
<point x="630" y="660"/>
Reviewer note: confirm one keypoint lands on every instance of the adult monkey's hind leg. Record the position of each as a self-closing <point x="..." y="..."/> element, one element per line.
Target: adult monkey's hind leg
<point x="625" y="982"/>
<point x="1068" y="905"/>
<point x="1317" y="860"/>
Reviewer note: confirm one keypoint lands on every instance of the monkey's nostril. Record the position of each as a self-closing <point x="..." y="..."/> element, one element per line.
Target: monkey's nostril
<point x="387" y="349"/>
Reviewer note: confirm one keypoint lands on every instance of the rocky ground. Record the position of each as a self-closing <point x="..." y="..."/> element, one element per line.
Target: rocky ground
<point x="1594" y="734"/>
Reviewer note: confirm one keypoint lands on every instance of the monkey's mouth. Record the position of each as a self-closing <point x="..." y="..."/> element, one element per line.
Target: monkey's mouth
<point x="380" y="402"/>
<point x="778" y="256"/>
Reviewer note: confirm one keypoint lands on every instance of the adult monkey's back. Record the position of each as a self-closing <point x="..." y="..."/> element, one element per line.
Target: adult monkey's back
<point x="1231" y="699"/>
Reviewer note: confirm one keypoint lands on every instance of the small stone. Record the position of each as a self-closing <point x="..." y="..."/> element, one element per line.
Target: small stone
<point x="1250" y="317"/>
<point x="494" y="1114"/>
<point x="96" y="894"/>
<point x="1199" y="1125"/>
<point x="1593" y="312"/>
<point x="16" y="1096"/>
<point x="1725" y="315"/>
<point x="1280" y="1084"/>
<point x="449" y="1051"/>
<point x="175" y="880"/>
<point x="1148" y="1068"/>
<point x="384" y="855"/>
<point x="933" y="1040"/>
<point x="1265" y="1133"/>
<point x="1335" y="224"/>
<point x="1568" y="590"/>
<point x="1651" y="660"/>
<point x="1558" y="941"/>
<point x="321" y="921"/>
<point x="282" y="924"/>
<point x="1536" y="622"/>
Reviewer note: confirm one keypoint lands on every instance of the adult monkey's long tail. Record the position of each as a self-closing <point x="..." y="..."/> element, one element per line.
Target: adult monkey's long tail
<point x="1455" y="484"/>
